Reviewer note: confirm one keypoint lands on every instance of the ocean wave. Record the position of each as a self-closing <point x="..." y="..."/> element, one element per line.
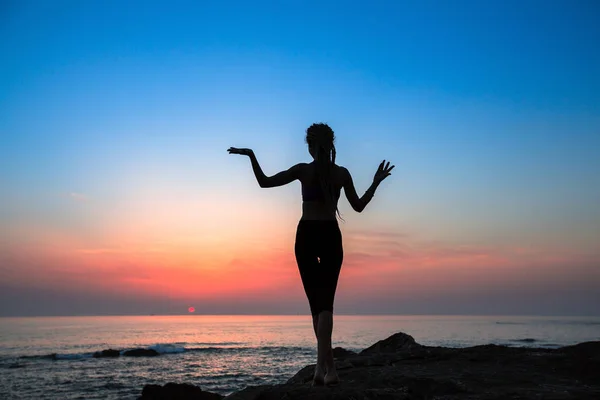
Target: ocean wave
<point x="160" y="349"/>
<point x="525" y="340"/>
<point x="167" y="348"/>
<point x="530" y="342"/>
<point x="56" y="356"/>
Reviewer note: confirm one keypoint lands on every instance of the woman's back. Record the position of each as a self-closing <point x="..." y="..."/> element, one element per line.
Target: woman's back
<point x="314" y="203"/>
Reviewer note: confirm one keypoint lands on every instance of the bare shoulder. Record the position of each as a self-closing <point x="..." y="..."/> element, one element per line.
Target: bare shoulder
<point x="341" y="169"/>
<point x="342" y="173"/>
<point x="300" y="166"/>
<point x="302" y="169"/>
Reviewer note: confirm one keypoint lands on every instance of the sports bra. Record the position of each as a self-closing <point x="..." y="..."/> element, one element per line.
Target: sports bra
<point x="312" y="191"/>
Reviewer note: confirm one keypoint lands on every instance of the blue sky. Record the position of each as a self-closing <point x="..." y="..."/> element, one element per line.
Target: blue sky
<point x="490" y="110"/>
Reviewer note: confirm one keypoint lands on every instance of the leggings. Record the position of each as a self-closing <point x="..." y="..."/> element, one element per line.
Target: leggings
<point x="319" y="255"/>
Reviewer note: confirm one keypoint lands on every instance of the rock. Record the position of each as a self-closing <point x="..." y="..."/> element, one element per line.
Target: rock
<point x="177" y="391"/>
<point x="141" y="353"/>
<point x="107" y="353"/>
<point x="587" y="348"/>
<point x="249" y="393"/>
<point x="395" y="343"/>
<point x="398" y="368"/>
<point x="340" y="353"/>
<point x="304" y="375"/>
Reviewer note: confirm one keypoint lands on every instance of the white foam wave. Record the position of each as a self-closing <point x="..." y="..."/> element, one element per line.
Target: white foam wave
<point x="167" y="348"/>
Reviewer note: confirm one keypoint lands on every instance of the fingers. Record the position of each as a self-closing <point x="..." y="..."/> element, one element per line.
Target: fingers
<point x="243" y="152"/>
<point x="384" y="170"/>
<point x="385" y="167"/>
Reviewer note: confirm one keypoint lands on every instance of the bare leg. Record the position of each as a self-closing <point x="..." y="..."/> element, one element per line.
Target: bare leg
<point x="319" y="376"/>
<point x="329" y="357"/>
<point x="325" y="352"/>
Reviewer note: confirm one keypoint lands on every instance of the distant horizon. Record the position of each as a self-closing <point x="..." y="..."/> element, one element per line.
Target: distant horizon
<point x="305" y="315"/>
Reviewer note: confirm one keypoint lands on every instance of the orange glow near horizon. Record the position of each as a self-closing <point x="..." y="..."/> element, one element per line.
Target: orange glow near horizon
<point x="263" y="267"/>
<point x="211" y="250"/>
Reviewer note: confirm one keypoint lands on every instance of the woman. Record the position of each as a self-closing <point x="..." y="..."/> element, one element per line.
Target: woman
<point x="318" y="247"/>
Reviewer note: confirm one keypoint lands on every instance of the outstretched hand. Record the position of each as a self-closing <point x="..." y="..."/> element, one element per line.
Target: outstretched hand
<point x="243" y="152"/>
<point x="383" y="172"/>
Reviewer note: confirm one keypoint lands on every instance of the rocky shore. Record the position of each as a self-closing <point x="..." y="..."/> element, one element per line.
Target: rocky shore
<point x="400" y="368"/>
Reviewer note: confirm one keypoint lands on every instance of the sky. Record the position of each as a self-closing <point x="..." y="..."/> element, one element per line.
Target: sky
<point x="117" y="194"/>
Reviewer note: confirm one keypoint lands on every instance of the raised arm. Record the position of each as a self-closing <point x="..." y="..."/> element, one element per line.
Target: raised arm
<point x="279" y="179"/>
<point x="359" y="203"/>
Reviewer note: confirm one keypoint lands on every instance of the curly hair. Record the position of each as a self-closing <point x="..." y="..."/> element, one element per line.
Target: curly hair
<point x="322" y="136"/>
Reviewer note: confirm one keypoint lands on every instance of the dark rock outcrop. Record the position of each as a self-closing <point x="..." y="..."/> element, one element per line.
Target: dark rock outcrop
<point x="400" y="368"/>
<point x="107" y="353"/>
<point x="340" y="353"/>
<point x="175" y="391"/>
<point x="141" y="353"/>
<point x="396" y="343"/>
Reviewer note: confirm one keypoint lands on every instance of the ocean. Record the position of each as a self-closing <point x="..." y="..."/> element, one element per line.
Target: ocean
<point x="52" y="357"/>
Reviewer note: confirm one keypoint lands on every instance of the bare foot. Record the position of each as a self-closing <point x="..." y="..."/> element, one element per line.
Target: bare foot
<point x="331" y="379"/>
<point x="318" y="379"/>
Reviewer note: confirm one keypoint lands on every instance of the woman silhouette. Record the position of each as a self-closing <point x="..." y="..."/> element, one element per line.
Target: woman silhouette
<point x="318" y="246"/>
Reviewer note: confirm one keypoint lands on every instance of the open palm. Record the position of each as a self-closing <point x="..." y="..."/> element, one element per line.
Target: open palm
<point x="243" y="152"/>
<point x="383" y="171"/>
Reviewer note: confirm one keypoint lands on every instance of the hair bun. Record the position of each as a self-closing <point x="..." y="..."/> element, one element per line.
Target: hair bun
<point x="322" y="133"/>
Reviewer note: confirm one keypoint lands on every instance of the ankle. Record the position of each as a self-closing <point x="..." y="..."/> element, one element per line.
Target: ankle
<point x="331" y="378"/>
<point x="330" y="365"/>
